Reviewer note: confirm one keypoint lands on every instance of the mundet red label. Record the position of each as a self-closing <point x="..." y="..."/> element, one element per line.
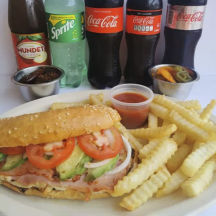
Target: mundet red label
<point x="104" y="20"/>
<point x="185" y="17"/>
<point x="142" y="22"/>
<point x="31" y="49"/>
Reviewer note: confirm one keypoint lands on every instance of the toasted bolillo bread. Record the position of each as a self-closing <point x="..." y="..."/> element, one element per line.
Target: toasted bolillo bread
<point x="55" y="125"/>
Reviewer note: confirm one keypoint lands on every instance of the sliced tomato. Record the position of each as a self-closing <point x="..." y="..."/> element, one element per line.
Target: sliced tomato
<point x="36" y="154"/>
<point x="87" y="144"/>
<point x="12" y="150"/>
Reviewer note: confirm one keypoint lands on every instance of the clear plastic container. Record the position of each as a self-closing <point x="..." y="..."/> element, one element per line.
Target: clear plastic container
<point x="132" y="102"/>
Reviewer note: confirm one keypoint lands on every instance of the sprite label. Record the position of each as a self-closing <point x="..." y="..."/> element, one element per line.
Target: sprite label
<point x="66" y="28"/>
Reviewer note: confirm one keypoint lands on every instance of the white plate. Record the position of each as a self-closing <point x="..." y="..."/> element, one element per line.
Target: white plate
<point x="12" y="203"/>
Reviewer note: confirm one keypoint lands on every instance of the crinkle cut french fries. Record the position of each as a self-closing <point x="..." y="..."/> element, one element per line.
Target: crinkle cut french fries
<point x="203" y="177"/>
<point x="157" y="158"/>
<point x="192" y="105"/>
<point x="146" y="190"/>
<point x="172" y="184"/>
<point x="177" y="159"/>
<point x="146" y="149"/>
<point x="196" y="141"/>
<point x="206" y="113"/>
<point x="152" y="121"/>
<point x="197" y="158"/>
<point x="185" y="113"/>
<point x="152" y="133"/>
<point x="177" y="151"/>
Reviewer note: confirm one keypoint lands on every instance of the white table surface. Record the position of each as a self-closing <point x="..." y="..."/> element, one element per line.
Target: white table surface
<point x="204" y="90"/>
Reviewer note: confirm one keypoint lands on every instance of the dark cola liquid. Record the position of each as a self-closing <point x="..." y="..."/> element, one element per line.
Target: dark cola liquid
<point x="141" y="52"/>
<point x="104" y="66"/>
<point x="181" y="46"/>
<point x="142" y="45"/>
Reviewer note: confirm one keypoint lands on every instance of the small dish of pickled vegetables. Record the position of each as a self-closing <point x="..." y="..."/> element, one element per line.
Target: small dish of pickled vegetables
<point x="173" y="80"/>
<point x="174" y="74"/>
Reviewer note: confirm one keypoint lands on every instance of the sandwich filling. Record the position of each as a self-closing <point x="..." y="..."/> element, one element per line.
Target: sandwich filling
<point x="88" y="163"/>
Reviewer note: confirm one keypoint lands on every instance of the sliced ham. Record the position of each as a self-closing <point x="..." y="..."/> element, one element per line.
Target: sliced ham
<point x="105" y="182"/>
<point x="27" y="176"/>
<point x="28" y="168"/>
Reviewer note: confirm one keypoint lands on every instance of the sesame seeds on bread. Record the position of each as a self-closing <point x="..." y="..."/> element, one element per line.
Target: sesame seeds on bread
<point x="55" y="125"/>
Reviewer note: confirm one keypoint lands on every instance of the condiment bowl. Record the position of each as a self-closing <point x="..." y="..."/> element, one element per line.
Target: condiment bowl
<point x="133" y="114"/>
<point x="177" y="90"/>
<point x="35" y="91"/>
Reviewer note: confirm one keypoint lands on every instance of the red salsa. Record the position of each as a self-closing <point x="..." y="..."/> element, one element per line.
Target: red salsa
<point x="130" y="97"/>
<point x="132" y="116"/>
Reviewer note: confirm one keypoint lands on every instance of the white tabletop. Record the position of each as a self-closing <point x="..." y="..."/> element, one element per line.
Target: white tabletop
<point x="204" y="90"/>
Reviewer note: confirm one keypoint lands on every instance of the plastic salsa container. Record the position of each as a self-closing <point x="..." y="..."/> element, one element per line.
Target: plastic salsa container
<point x="132" y="102"/>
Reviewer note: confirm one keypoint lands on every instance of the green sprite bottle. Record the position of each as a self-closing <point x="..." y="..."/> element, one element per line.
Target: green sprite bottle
<point x="65" y="21"/>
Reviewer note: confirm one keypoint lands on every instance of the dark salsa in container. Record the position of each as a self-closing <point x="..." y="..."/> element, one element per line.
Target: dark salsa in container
<point x="40" y="75"/>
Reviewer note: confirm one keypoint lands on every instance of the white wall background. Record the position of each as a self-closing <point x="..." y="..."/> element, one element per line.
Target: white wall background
<point x="205" y="53"/>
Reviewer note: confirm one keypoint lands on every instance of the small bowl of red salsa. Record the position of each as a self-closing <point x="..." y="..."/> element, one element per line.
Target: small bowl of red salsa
<point x="132" y="102"/>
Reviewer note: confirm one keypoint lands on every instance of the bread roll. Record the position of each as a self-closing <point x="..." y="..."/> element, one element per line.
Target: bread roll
<point x="55" y="125"/>
<point x="52" y="193"/>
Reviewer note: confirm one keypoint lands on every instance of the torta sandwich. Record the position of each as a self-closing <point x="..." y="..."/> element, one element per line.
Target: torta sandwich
<point x="71" y="153"/>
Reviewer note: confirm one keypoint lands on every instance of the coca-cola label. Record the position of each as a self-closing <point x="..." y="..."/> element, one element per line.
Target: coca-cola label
<point x="31" y="49"/>
<point x="66" y="28"/>
<point x="104" y="20"/>
<point x="185" y="17"/>
<point x="143" y="22"/>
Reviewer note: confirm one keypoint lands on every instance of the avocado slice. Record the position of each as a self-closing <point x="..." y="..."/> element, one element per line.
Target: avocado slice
<point x="74" y="165"/>
<point x="94" y="173"/>
<point x="13" y="161"/>
<point x="80" y="169"/>
<point x="2" y="156"/>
